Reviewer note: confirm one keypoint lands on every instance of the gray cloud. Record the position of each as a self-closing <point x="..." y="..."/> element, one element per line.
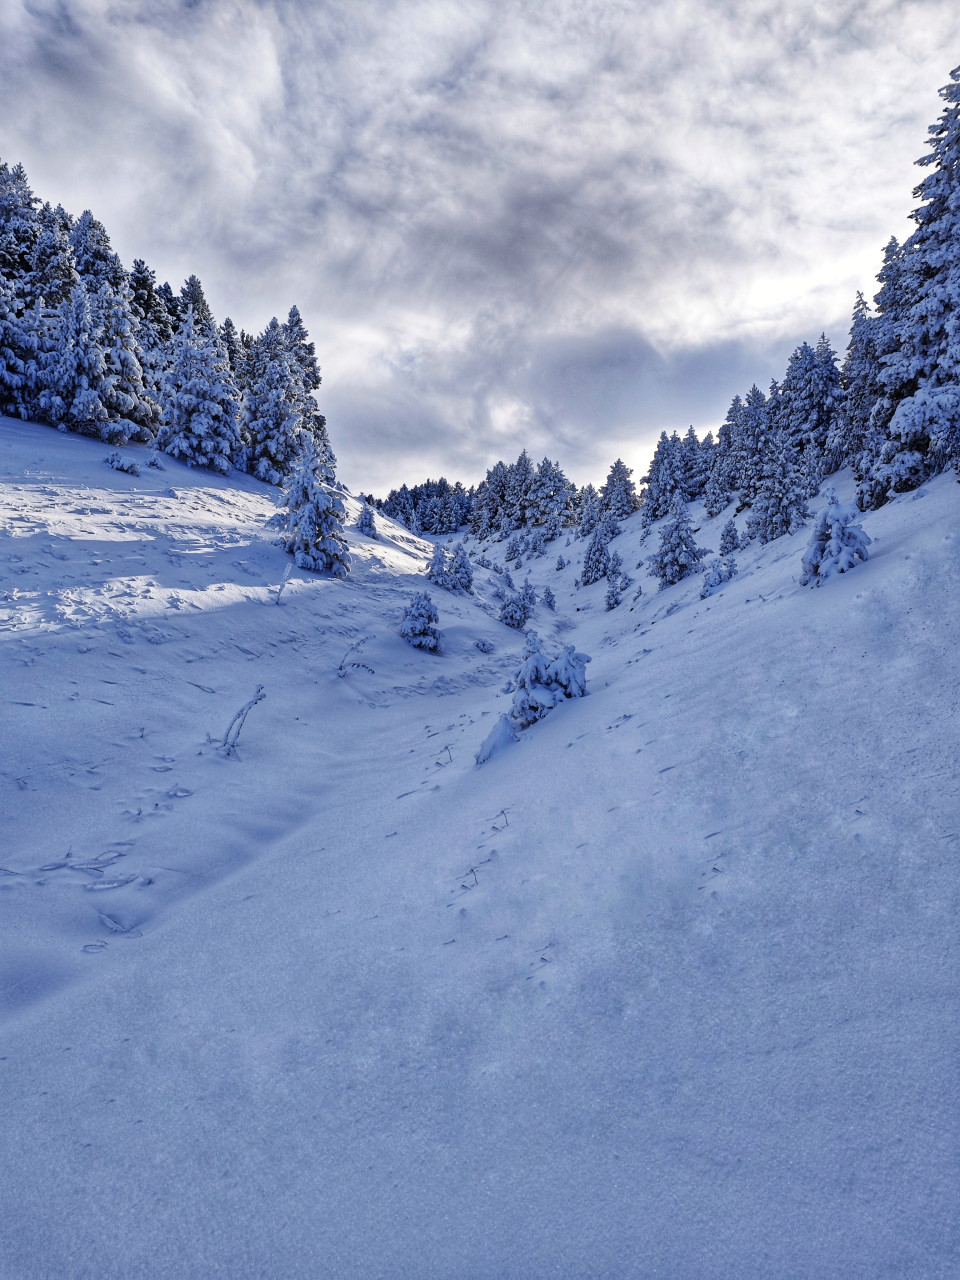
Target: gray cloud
<point x="561" y="226"/>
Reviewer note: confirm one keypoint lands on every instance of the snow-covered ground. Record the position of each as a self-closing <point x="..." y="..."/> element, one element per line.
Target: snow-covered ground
<point x="668" y="988"/>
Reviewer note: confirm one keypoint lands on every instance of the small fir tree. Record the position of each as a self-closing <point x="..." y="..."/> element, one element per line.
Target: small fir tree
<point x="310" y="518"/>
<point x="836" y="544"/>
<point x="596" y="562"/>
<point x="729" y="538"/>
<point x="461" y="570"/>
<point x="678" y="554"/>
<point x="366" y="523"/>
<point x="779" y="505"/>
<point x="418" y="626"/>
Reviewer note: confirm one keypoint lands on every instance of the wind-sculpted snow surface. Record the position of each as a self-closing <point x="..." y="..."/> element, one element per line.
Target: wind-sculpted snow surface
<point x="666" y="988"/>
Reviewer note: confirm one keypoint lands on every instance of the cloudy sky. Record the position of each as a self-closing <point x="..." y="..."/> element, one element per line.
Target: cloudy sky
<point x="561" y="226"/>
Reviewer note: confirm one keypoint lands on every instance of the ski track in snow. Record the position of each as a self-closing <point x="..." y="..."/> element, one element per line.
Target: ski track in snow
<point x="666" y="988"/>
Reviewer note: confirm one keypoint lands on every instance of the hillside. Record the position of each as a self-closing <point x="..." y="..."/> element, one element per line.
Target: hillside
<point x="668" y="988"/>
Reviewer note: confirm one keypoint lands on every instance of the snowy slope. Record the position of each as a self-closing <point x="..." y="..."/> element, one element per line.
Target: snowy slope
<point x="668" y="988"/>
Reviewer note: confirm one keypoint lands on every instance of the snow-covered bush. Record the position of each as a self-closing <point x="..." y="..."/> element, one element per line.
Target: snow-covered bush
<point x="612" y="598"/>
<point x="120" y="463"/>
<point x="310" y="517"/>
<point x="514" y="612"/>
<point x="484" y="645"/>
<point x="836" y="543"/>
<point x="417" y="627"/>
<point x="718" y="572"/>
<point x="678" y="553"/>
<point x="541" y="683"/>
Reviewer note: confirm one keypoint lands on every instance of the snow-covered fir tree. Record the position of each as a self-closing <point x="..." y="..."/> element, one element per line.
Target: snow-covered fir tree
<point x="200" y="401"/>
<point x="194" y="301"/>
<point x="418" y="626"/>
<point x="618" y="495"/>
<point x="549" y="599"/>
<point x="612" y="598"/>
<point x="461" y="570"/>
<point x="678" y="553"/>
<point x="128" y="399"/>
<point x="779" y="505"/>
<point x="271" y="423"/>
<point x="836" y="544"/>
<point x="53" y="269"/>
<point x="729" y="538"/>
<point x="515" y="611"/>
<point x="438" y="570"/>
<point x="366" y="524"/>
<point x="73" y="380"/>
<point x="542" y="683"/>
<point x="664" y="480"/>
<point x="596" y="561"/>
<point x="310" y="516"/>
<point x="18" y="355"/>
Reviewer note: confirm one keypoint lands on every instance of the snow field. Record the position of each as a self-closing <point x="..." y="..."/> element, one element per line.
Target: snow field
<point x="666" y="988"/>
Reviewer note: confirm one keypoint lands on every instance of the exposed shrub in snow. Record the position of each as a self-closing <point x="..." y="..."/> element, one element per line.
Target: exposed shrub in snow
<point x="417" y="627"/>
<point x="836" y="543"/>
<point x="119" y="463"/>
<point x="484" y="646"/>
<point x="718" y="572"/>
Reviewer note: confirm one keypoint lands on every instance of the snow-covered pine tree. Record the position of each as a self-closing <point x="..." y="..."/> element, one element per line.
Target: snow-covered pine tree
<point x="664" y="480"/>
<point x="922" y="376"/>
<point x="53" y="269"/>
<point x="418" y="625"/>
<point x="860" y="379"/>
<point x="310" y="516"/>
<point x="438" y="571"/>
<point x="719" y="571"/>
<point x="729" y="539"/>
<point x="589" y="513"/>
<point x="366" y="523"/>
<point x="18" y="355"/>
<point x="200" y="401"/>
<point x="517" y="507"/>
<point x="514" y="612"/>
<point x="809" y="408"/>
<point x="461" y="570"/>
<point x="612" y="598"/>
<point x="549" y="599"/>
<point x="193" y="298"/>
<point x="128" y="400"/>
<point x="73" y="380"/>
<point x="779" y="504"/>
<point x="534" y="693"/>
<point x="95" y="259"/>
<point x="19" y="226"/>
<point x="750" y="434"/>
<point x="618" y="496"/>
<point x="716" y="492"/>
<point x="836" y="543"/>
<point x="271" y="422"/>
<point x="596" y="561"/>
<point x="567" y="672"/>
<point x="678" y="553"/>
<point x="695" y="463"/>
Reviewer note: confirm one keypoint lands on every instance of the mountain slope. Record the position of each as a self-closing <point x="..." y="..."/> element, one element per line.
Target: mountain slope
<point x="666" y="988"/>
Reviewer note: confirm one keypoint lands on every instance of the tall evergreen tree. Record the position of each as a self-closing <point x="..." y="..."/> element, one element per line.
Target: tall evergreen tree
<point x="618" y="496"/>
<point x="53" y="269"/>
<point x="778" y="505"/>
<point x="678" y="554"/>
<point x="94" y="256"/>
<point x="311" y="514"/>
<point x="74" y="386"/>
<point x="19" y="225"/>
<point x="200" y="401"/>
<point x="193" y="299"/>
